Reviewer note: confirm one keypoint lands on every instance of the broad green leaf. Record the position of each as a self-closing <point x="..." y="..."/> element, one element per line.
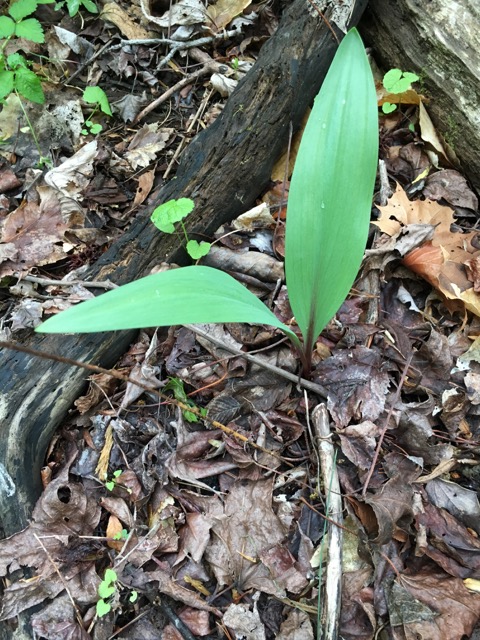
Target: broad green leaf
<point x="96" y="95"/>
<point x="22" y="8"/>
<point x="73" y="7"/>
<point x="331" y="191"/>
<point x="31" y="29"/>
<point x="7" y="27"/>
<point x="165" y="215"/>
<point x="6" y="83"/>
<point x="90" y="6"/>
<point x="188" y="295"/>
<point x="103" y="608"/>
<point x="28" y="85"/>
<point x="197" y="250"/>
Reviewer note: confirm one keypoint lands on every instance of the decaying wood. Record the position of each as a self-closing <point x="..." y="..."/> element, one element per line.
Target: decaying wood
<point x="440" y="41"/>
<point x="224" y="170"/>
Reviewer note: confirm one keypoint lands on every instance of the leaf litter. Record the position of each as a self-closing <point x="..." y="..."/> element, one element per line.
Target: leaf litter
<point x="220" y="533"/>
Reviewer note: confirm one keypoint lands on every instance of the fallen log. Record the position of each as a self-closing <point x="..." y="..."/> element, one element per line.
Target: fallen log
<point x="224" y="169"/>
<point x="440" y="41"/>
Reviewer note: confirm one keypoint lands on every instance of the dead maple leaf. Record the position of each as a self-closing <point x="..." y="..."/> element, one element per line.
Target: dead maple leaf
<point x="448" y="261"/>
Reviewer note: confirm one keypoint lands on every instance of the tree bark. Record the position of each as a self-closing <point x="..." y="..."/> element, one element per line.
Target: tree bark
<point x="440" y="41"/>
<point x="224" y="170"/>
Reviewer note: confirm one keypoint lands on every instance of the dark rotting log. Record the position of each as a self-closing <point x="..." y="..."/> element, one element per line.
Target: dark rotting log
<point x="224" y="169"/>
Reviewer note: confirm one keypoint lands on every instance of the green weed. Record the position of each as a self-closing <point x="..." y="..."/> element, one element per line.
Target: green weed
<point x="327" y="226"/>
<point x="167" y="214"/>
<point x="396" y="81"/>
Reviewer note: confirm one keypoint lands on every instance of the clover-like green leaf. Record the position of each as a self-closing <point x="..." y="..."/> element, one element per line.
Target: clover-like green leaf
<point x="197" y="250"/>
<point x="165" y="215"/>
<point x="103" y="608"/>
<point x="398" y="81"/>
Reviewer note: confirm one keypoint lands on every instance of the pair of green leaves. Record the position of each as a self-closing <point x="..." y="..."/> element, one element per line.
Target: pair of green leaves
<point x="327" y="225"/>
<point x="166" y="215"/>
<point x="397" y="81"/>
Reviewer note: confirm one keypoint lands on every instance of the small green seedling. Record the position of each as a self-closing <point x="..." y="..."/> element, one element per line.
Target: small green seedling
<point x="121" y="535"/>
<point x="111" y="484"/>
<point x="176" y="386"/>
<point x="397" y="81"/>
<point x="106" y="589"/>
<point x="74" y="6"/>
<point x="328" y="219"/>
<point x="97" y="97"/>
<point x="167" y="214"/>
<point x="15" y="72"/>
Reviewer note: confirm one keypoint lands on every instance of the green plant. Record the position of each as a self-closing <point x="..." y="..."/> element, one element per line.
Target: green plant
<point x="73" y="6"/>
<point x="176" y="386"/>
<point x="15" y="74"/>
<point x="111" y="484"/>
<point x="106" y="589"/>
<point x="167" y="214"/>
<point x="97" y="97"/>
<point x="327" y="226"/>
<point x="397" y="81"/>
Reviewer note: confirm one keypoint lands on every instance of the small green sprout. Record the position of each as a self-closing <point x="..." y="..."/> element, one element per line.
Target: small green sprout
<point x="106" y="589"/>
<point x="121" y="535"/>
<point x="167" y="214"/>
<point x="111" y="484"/>
<point x="397" y="81"/>
<point x="176" y="386"/>
<point x="73" y="6"/>
<point x="97" y="97"/>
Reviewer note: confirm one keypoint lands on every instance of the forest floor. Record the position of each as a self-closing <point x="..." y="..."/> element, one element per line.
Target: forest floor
<point x="155" y="524"/>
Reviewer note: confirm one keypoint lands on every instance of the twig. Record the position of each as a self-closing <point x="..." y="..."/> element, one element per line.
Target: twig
<point x="306" y="384"/>
<point x="333" y="582"/>
<point x="115" y="374"/>
<point x="88" y="284"/>
<point x="208" y="67"/>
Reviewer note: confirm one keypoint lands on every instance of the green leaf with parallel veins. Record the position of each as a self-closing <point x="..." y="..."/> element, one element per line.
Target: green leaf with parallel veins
<point x="7" y="27"/>
<point x="28" y="85"/>
<point x="22" y="8"/>
<point x="330" y="197"/>
<point x="6" y="83"/>
<point x="31" y="29"/>
<point x="188" y="295"/>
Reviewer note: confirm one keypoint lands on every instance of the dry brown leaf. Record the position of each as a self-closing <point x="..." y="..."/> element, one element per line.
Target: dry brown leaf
<point x="445" y="261"/>
<point x="113" y="13"/>
<point x="32" y="235"/>
<point x="224" y="11"/>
